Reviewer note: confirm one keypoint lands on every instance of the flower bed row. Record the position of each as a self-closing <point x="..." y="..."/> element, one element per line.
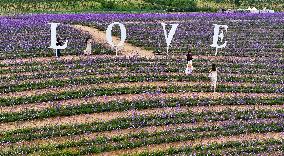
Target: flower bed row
<point x="27" y="38"/>
<point x="133" y="77"/>
<point x="29" y="134"/>
<point x="197" y="34"/>
<point x="83" y="93"/>
<point x="78" y="64"/>
<point x="115" y="106"/>
<point x="130" y="141"/>
<point x="262" y="31"/>
<point x="228" y="148"/>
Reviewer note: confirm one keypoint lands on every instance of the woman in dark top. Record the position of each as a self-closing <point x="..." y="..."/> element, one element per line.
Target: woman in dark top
<point x="189" y="67"/>
<point x="189" y="57"/>
<point x="58" y="43"/>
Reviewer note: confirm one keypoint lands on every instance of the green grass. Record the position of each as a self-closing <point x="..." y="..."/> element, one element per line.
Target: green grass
<point x="234" y="4"/>
<point x="76" y="6"/>
<point x="73" y="6"/>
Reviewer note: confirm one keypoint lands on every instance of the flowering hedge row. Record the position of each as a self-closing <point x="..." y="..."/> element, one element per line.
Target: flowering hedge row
<point x="133" y="77"/>
<point x="159" y="63"/>
<point x="263" y="32"/>
<point x="104" y="144"/>
<point x="138" y="122"/>
<point x="31" y="38"/>
<point x="139" y="105"/>
<point x="100" y="91"/>
<point x="228" y="148"/>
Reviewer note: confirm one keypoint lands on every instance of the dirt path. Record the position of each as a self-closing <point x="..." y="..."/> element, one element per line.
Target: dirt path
<point x="48" y="71"/>
<point x="226" y="59"/>
<point x="74" y="58"/>
<point x="229" y="58"/>
<point x="49" y="59"/>
<point x="95" y="86"/>
<point x="223" y="139"/>
<point x="123" y="132"/>
<point x="127" y="50"/>
<point x="107" y="116"/>
<point x="70" y="74"/>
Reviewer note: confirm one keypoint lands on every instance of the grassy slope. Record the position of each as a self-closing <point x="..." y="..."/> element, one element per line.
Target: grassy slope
<point x="18" y="6"/>
<point x="278" y="6"/>
<point x="24" y="6"/>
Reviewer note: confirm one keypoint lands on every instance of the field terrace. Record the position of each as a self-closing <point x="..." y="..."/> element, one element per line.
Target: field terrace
<point x="110" y="105"/>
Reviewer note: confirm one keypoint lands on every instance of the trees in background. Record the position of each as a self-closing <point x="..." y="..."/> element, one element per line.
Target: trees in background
<point x="175" y="5"/>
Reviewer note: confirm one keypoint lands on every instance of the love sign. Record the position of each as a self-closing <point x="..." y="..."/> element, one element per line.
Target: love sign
<point x="218" y="34"/>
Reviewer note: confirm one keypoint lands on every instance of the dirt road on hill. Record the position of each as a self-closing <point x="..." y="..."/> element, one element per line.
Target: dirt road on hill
<point x="127" y="50"/>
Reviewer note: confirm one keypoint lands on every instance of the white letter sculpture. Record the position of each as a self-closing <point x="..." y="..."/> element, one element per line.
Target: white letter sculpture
<point x="169" y="37"/>
<point x="53" y="37"/>
<point x="109" y="35"/>
<point x="218" y="35"/>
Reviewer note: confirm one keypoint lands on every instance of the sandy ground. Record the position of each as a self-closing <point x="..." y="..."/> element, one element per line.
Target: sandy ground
<point x="126" y="50"/>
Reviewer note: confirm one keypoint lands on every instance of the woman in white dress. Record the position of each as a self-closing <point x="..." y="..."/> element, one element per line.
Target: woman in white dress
<point x="213" y="76"/>
<point x="88" y="50"/>
<point x="189" y="67"/>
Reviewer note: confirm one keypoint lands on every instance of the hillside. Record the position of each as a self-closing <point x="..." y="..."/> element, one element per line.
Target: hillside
<point x="39" y="6"/>
<point x="103" y="104"/>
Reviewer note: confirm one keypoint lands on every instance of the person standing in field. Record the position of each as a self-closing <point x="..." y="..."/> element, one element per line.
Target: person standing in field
<point x="213" y="77"/>
<point x="88" y="50"/>
<point x="189" y="67"/>
<point x="58" y="43"/>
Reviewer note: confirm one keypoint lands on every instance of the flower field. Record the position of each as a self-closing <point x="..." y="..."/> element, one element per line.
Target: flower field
<point x="116" y="105"/>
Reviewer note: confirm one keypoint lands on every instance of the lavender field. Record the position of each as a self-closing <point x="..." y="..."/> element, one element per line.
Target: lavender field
<point x="105" y="104"/>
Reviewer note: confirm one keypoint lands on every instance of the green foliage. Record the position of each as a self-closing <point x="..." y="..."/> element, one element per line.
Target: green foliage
<point x="238" y="2"/>
<point x="37" y="6"/>
<point x="108" y="4"/>
<point x="230" y="4"/>
<point x="175" y="5"/>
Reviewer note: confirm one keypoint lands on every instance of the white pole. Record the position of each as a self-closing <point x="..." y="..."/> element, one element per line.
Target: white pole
<point x="167" y="51"/>
<point x="216" y="51"/>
